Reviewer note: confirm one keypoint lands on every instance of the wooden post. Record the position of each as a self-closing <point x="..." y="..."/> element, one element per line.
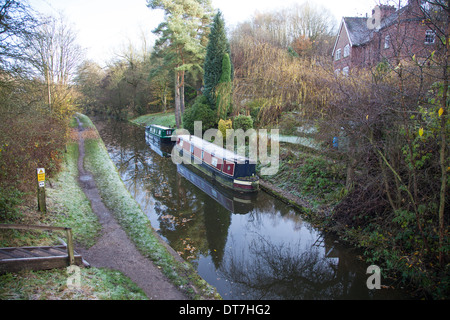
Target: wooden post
<point x="70" y="246"/>
<point x="42" y="206"/>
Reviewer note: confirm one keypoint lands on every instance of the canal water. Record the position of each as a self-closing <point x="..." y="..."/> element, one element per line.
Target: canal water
<point x="247" y="246"/>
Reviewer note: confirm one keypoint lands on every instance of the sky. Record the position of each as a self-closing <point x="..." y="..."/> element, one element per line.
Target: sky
<point x="106" y="27"/>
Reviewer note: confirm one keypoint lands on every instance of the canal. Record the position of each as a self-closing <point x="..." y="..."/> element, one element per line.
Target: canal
<point x="247" y="246"/>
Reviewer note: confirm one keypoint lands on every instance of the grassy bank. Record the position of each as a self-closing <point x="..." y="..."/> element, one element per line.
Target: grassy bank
<point x="67" y="206"/>
<point x="96" y="284"/>
<point x="132" y="219"/>
<point x="163" y="119"/>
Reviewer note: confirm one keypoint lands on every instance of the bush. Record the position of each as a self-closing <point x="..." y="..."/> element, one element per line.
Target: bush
<point x="243" y="122"/>
<point x="10" y="197"/>
<point x="200" y="111"/>
<point x="255" y="106"/>
<point x="224" y="125"/>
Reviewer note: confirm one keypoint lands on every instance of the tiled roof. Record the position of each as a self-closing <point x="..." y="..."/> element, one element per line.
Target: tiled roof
<point x="360" y="33"/>
<point x="357" y="29"/>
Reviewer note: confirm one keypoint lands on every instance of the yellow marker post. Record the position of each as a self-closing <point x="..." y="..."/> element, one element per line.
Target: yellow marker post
<point x="41" y="190"/>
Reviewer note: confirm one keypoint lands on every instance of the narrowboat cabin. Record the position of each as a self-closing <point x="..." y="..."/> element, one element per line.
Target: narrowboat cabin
<point x="226" y="167"/>
<point x="161" y="132"/>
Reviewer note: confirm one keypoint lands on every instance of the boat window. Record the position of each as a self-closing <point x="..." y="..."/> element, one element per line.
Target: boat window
<point x="214" y="162"/>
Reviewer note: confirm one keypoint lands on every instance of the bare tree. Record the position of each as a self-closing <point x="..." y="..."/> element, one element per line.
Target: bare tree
<point x="54" y="52"/>
<point x="55" y="56"/>
<point x="17" y="22"/>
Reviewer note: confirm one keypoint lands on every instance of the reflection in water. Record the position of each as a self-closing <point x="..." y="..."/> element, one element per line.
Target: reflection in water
<point x="288" y="271"/>
<point x="247" y="246"/>
<point x="234" y="202"/>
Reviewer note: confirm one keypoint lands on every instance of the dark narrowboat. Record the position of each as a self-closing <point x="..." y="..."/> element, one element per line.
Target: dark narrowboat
<point x="161" y="132"/>
<point x="226" y="167"/>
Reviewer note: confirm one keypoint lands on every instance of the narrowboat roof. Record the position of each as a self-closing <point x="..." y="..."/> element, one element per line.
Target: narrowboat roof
<point x="213" y="148"/>
<point x="159" y="127"/>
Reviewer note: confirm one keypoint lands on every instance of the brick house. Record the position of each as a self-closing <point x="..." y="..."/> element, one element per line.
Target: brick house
<point x="389" y="35"/>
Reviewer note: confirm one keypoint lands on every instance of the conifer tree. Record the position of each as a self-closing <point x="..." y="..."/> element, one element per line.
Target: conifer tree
<point x="180" y="41"/>
<point x="224" y="88"/>
<point x="218" y="46"/>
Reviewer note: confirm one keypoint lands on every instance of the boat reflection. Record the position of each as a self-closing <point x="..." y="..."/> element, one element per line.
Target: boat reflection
<point x="162" y="148"/>
<point x="234" y="202"/>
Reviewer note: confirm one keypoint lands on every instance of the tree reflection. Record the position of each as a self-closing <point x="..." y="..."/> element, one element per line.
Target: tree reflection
<point x="286" y="271"/>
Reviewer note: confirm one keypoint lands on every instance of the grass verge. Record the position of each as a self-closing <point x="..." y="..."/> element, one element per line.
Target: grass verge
<point x="96" y="284"/>
<point x="162" y="119"/>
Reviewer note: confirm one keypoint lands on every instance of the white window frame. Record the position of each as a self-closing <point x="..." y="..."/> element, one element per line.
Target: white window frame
<point x="346" y="50"/>
<point x="430" y="37"/>
<point x="387" y="42"/>
<point x="338" y="55"/>
<point x="345" y="71"/>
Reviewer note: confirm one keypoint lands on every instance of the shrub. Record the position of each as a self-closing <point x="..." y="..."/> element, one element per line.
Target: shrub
<point x="255" y="106"/>
<point x="243" y="122"/>
<point x="200" y="111"/>
<point x="224" y="125"/>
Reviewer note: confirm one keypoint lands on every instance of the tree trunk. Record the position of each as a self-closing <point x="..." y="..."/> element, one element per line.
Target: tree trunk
<point x="443" y="160"/>
<point x="182" y="93"/>
<point x="177" y="100"/>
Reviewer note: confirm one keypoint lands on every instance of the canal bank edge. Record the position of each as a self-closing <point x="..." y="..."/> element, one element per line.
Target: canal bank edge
<point x="136" y="224"/>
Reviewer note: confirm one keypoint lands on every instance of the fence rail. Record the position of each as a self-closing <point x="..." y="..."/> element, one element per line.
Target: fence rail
<point x="70" y="249"/>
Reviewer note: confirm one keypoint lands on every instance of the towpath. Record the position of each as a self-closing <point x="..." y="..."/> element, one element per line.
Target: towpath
<point x="114" y="250"/>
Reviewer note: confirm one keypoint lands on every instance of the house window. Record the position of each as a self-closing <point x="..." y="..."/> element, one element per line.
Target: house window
<point x="345" y="71"/>
<point x="338" y="54"/>
<point x="337" y="71"/>
<point x="387" y="42"/>
<point x="430" y="36"/>
<point x="346" y="50"/>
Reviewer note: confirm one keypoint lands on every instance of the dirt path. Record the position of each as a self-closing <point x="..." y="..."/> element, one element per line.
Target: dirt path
<point x="114" y="250"/>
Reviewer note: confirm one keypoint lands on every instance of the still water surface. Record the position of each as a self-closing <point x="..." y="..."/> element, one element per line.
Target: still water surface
<point x="247" y="246"/>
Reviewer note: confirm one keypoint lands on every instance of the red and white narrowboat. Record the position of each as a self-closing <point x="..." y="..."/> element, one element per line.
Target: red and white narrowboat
<point x="226" y="167"/>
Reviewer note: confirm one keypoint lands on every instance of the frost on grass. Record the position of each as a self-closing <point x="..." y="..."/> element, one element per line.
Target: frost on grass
<point x="70" y="204"/>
